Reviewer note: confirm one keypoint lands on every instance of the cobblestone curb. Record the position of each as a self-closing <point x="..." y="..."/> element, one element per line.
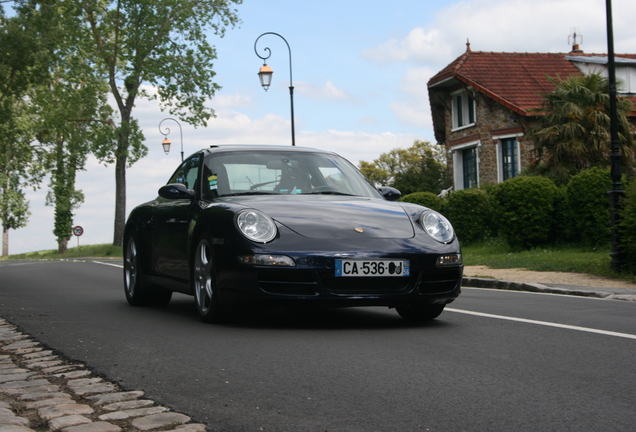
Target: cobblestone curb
<point x="40" y="391"/>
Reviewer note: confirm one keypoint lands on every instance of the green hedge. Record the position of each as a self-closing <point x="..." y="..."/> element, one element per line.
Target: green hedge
<point x="524" y="210"/>
<point x="628" y="228"/>
<point x="426" y="199"/>
<point x="470" y="213"/>
<point x="563" y="229"/>
<point x="589" y="205"/>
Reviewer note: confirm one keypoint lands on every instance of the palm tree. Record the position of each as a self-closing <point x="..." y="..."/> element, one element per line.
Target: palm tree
<point x="573" y="133"/>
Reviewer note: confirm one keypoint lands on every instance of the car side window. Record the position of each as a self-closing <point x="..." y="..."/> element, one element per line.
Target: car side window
<point x="187" y="173"/>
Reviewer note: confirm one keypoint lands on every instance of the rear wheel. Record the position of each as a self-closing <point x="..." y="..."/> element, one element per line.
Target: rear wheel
<point x="138" y="292"/>
<point x="420" y="312"/>
<point x="206" y="295"/>
<point x="134" y="284"/>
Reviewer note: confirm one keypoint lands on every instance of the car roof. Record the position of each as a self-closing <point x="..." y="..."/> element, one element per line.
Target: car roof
<point x="261" y="147"/>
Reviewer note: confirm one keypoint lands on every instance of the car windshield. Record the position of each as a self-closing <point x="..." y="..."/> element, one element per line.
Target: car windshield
<point x="280" y="172"/>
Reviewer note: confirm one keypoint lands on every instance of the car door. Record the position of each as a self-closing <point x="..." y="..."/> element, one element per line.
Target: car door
<point x="172" y="219"/>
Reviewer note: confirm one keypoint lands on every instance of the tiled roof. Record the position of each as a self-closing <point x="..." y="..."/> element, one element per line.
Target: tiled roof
<point x="515" y="80"/>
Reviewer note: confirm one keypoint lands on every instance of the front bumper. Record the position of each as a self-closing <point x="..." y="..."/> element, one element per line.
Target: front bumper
<point x="317" y="284"/>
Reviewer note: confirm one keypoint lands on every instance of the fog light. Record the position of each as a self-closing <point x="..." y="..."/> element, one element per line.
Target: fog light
<point x="449" y="260"/>
<point x="269" y="260"/>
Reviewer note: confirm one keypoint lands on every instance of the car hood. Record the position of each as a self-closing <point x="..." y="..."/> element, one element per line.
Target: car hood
<point x="337" y="217"/>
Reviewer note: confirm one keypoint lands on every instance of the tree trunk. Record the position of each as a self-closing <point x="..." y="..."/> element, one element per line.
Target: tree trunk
<point x="120" y="201"/>
<point x="5" y="242"/>
<point x="62" y="245"/>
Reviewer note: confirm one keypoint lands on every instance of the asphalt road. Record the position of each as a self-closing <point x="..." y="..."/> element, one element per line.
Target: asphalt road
<point x="493" y="361"/>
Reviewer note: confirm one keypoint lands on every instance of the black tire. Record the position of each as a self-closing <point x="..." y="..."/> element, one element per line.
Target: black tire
<point x="206" y="296"/>
<point x="420" y="312"/>
<point x="138" y="291"/>
<point x="134" y="284"/>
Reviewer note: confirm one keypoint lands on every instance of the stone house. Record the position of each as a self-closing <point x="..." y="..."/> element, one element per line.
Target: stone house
<point x="482" y="105"/>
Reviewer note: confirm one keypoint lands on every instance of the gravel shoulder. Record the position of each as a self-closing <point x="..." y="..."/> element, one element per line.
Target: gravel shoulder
<point x="559" y="278"/>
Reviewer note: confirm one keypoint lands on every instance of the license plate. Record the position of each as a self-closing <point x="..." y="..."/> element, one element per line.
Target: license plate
<point x="372" y="268"/>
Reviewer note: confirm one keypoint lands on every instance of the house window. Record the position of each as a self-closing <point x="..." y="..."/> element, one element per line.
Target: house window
<point x="509" y="158"/>
<point x="463" y="110"/>
<point x="469" y="169"/>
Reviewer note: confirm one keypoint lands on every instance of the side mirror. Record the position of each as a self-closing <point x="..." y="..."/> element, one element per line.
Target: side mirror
<point x="176" y="191"/>
<point x="389" y="193"/>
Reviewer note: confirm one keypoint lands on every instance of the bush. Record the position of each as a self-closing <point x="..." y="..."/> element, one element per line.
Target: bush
<point x="562" y="228"/>
<point x="628" y="229"/>
<point x="470" y="213"/>
<point x="524" y="207"/>
<point x="426" y="199"/>
<point x="589" y="203"/>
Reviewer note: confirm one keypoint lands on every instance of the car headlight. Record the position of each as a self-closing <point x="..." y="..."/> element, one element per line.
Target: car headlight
<point x="256" y="226"/>
<point x="437" y="226"/>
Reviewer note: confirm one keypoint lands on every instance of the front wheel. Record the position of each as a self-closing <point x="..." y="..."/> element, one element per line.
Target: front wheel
<point x="206" y="295"/>
<point x="420" y="312"/>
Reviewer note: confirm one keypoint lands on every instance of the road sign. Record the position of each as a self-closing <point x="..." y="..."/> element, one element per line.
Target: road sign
<point x="78" y="230"/>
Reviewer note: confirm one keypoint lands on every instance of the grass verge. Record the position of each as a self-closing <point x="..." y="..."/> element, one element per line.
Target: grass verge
<point x="563" y="258"/>
<point x="103" y="250"/>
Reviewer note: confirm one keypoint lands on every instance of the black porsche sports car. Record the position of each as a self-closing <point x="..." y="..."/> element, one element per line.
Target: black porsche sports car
<point x="239" y="225"/>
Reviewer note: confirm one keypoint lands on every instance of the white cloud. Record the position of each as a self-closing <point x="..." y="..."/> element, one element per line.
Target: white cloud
<point x="414" y="110"/>
<point x="514" y="26"/>
<point x="420" y="46"/>
<point x="327" y="92"/>
<point x="232" y="101"/>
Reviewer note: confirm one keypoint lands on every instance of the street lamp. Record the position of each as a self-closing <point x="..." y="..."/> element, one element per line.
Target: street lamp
<point x="616" y="193"/>
<point x="265" y="75"/>
<point x="166" y="142"/>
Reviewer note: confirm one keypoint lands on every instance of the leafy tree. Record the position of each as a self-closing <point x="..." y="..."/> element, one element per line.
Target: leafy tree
<point x="161" y="43"/>
<point x="573" y="134"/>
<point x="420" y="168"/>
<point x="72" y="117"/>
<point x="14" y="209"/>
<point x="25" y="50"/>
<point x="21" y="167"/>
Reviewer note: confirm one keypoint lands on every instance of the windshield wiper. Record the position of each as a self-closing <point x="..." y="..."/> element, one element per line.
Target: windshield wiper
<point x="329" y="192"/>
<point x="249" y="193"/>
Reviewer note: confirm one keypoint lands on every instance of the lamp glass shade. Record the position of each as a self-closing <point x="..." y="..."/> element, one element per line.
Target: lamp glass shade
<point x="265" y="75"/>
<point x="166" y="145"/>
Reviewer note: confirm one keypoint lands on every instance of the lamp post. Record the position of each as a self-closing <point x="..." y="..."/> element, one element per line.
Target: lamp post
<point x="616" y="193"/>
<point x="166" y="142"/>
<point x="265" y="75"/>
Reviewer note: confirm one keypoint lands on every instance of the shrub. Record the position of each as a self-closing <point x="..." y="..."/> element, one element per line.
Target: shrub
<point x="470" y="213"/>
<point x="524" y="208"/>
<point x="426" y="199"/>
<point x="562" y="227"/>
<point x="589" y="203"/>
<point x="628" y="229"/>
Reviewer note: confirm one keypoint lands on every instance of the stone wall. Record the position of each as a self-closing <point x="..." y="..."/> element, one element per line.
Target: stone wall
<point x="492" y="119"/>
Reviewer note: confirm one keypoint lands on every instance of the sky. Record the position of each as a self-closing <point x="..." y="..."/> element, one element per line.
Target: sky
<point x="359" y="71"/>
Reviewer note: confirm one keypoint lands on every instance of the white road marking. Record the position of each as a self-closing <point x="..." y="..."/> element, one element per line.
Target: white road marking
<point x="109" y="264"/>
<point x="545" y="323"/>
